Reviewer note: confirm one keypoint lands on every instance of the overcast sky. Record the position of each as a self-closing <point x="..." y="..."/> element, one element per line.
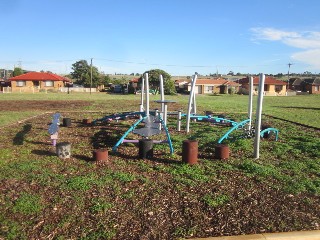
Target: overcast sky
<point x="178" y="36"/>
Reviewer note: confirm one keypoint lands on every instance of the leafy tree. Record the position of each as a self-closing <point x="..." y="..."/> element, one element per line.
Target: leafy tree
<point x="154" y="81"/>
<point x="82" y="74"/>
<point x="106" y="79"/>
<point x="17" y="71"/>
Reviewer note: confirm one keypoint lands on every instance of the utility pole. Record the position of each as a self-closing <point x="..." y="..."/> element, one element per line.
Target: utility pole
<point x="90" y="75"/>
<point x="289" y="64"/>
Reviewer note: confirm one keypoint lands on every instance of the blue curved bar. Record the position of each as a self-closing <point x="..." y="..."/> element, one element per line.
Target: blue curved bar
<point x="168" y="135"/>
<point x="226" y="135"/>
<point x="114" y="149"/>
<point x="268" y="130"/>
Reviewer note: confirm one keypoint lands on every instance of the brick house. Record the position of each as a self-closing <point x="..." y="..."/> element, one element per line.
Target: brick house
<point x="207" y="86"/>
<point x="272" y="86"/>
<point x="295" y="84"/>
<point x="37" y="81"/>
<point x="308" y="84"/>
<point x="312" y="85"/>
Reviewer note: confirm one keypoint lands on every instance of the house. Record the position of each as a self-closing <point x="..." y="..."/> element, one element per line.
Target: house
<point x="295" y="84"/>
<point x="312" y="85"/>
<point x="272" y="86"/>
<point x="37" y="81"/>
<point x="217" y="85"/>
<point x="308" y="85"/>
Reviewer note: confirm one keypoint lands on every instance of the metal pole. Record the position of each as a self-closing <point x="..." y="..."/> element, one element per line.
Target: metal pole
<point x="258" y="116"/>
<point x="90" y="75"/>
<point x="165" y="112"/>
<point x="147" y="94"/>
<point x="162" y="97"/>
<point x="179" y="121"/>
<point x="289" y="64"/>
<point x="250" y="102"/>
<point x="194" y="104"/>
<point x="141" y="99"/>
<point x="191" y="98"/>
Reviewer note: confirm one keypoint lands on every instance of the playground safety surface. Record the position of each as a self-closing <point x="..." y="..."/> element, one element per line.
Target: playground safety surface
<point x="141" y="210"/>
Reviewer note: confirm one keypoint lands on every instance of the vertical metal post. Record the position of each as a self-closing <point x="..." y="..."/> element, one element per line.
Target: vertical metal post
<point x="179" y="121"/>
<point x="141" y="99"/>
<point x="250" y="102"/>
<point x="258" y="116"/>
<point x="147" y="94"/>
<point x="162" y="97"/>
<point x="165" y="113"/>
<point x="194" y="104"/>
<point x="90" y="75"/>
<point x="191" y="99"/>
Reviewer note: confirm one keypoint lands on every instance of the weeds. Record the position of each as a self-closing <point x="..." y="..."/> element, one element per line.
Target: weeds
<point x="28" y="204"/>
<point x="215" y="201"/>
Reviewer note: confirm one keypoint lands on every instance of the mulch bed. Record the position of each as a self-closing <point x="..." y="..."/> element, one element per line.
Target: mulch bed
<point x="153" y="209"/>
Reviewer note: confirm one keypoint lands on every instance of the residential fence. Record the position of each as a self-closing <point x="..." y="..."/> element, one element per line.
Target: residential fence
<point x="63" y="89"/>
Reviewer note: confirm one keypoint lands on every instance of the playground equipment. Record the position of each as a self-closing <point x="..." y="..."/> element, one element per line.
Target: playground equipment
<point x="54" y="128"/>
<point x="153" y="124"/>
<point x="192" y="110"/>
<point x="249" y="131"/>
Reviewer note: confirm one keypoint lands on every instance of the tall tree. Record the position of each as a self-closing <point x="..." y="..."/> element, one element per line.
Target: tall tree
<point x="82" y="73"/>
<point x="17" y="71"/>
<point x="154" y="81"/>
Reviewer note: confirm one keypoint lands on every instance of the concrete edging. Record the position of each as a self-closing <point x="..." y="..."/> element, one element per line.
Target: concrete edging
<point x="298" y="235"/>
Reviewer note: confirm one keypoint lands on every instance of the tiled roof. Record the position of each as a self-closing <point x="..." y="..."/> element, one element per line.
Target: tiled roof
<point x="39" y="76"/>
<point x="268" y="81"/>
<point x="217" y="82"/>
<point x="312" y="81"/>
<point x="135" y="80"/>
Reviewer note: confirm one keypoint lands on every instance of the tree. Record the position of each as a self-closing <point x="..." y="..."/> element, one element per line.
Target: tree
<point x="154" y="81"/>
<point x="82" y="74"/>
<point x="106" y="79"/>
<point x="17" y="71"/>
<point x="231" y="73"/>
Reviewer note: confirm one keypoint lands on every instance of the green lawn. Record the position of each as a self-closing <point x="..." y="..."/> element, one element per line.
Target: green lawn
<point x="301" y="109"/>
<point x="44" y="197"/>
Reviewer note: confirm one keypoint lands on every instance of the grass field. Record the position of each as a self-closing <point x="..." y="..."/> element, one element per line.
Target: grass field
<point x="301" y="109"/>
<point x="44" y="197"/>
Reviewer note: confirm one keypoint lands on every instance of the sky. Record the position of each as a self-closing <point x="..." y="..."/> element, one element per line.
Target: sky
<point x="180" y="37"/>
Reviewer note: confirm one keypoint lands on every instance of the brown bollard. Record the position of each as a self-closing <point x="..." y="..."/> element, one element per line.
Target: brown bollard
<point x="190" y="151"/>
<point x="100" y="155"/>
<point x="87" y="121"/>
<point x="146" y="148"/>
<point x="221" y="151"/>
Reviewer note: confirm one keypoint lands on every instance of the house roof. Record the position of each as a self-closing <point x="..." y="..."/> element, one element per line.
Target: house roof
<point x="217" y="81"/>
<point x="295" y="81"/>
<point x="312" y="81"/>
<point x="268" y="81"/>
<point x="41" y="76"/>
<point x="134" y="80"/>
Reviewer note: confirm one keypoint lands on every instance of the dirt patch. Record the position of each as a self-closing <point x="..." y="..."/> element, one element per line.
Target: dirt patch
<point x="45" y="105"/>
<point x="130" y="198"/>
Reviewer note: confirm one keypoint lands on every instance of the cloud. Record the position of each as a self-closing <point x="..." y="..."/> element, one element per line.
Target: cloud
<point x="310" y="57"/>
<point x="272" y="34"/>
<point x="307" y="40"/>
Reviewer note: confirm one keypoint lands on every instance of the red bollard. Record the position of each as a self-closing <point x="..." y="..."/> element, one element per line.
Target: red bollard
<point x="221" y="151"/>
<point x="100" y="155"/>
<point x="87" y="121"/>
<point x="190" y="151"/>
